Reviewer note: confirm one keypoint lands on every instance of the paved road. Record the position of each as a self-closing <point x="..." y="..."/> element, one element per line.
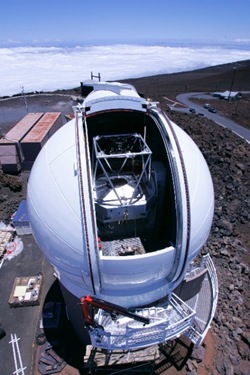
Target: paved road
<point x="22" y="321"/>
<point x="220" y="120"/>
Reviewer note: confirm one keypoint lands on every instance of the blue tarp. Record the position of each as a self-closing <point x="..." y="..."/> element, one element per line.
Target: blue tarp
<point x="21" y="218"/>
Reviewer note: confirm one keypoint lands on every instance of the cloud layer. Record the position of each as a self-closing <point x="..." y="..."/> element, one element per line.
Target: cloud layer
<point x="50" y="68"/>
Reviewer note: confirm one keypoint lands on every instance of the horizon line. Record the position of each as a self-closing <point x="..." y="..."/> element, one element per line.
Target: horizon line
<point x="240" y="42"/>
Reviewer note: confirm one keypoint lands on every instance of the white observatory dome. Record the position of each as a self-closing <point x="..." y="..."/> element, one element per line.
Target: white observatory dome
<point x="120" y="200"/>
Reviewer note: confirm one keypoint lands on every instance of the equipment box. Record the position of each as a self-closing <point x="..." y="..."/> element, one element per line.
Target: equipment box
<point x="26" y="291"/>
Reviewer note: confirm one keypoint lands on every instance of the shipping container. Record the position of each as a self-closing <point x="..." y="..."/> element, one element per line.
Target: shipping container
<point x="18" y="132"/>
<point x="10" y="159"/>
<point x="33" y="142"/>
<point x="11" y="168"/>
<point x="10" y="149"/>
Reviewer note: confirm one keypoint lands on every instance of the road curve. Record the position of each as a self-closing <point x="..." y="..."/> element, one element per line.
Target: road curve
<point x="220" y="120"/>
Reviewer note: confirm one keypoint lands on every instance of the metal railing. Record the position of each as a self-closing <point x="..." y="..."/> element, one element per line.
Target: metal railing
<point x="197" y="332"/>
<point x="126" y="334"/>
<point x="166" y="322"/>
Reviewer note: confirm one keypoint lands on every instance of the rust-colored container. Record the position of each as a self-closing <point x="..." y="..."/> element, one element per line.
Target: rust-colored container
<point x="33" y="142"/>
<point x="10" y="149"/>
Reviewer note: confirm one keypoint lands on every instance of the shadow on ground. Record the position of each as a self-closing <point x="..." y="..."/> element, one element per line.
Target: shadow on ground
<point x="58" y="335"/>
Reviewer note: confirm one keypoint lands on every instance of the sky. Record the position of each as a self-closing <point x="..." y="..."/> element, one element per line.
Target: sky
<point x="69" y="21"/>
<point x="49" y="43"/>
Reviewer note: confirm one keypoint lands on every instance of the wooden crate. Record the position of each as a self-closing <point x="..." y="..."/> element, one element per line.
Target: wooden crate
<point x="26" y="291"/>
<point x="5" y="237"/>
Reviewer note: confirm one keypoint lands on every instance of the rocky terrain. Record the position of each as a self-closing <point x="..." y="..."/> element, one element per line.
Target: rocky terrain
<point x="228" y="157"/>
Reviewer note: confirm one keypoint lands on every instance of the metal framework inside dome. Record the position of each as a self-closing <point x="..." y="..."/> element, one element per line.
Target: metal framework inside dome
<point x="118" y="157"/>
